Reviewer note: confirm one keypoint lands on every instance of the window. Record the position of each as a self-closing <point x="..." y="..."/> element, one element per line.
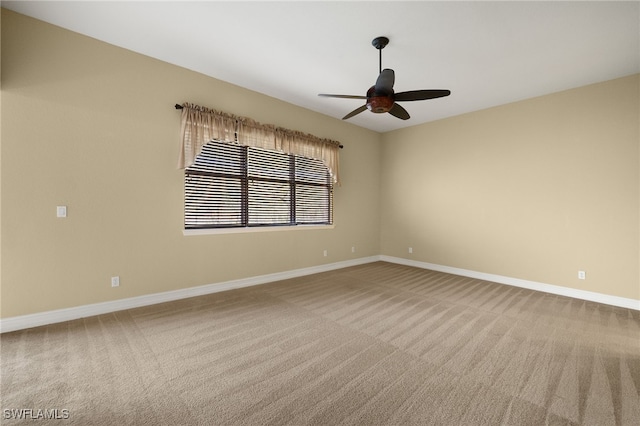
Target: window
<point x="231" y="185"/>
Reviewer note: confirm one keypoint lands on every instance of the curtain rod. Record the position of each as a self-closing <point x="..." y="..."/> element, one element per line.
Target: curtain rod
<point x="178" y="106"/>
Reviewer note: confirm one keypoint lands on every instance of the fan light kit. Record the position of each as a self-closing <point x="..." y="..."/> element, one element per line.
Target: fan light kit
<point x="381" y="98"/>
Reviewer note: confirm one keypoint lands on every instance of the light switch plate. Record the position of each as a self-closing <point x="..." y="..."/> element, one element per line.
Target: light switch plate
<point x="61" y="211"/>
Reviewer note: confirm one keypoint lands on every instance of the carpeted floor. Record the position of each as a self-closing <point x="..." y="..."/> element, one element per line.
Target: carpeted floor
<point x="376" y="344"/>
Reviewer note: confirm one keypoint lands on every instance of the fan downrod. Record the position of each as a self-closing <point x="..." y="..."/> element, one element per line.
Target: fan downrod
<point x="380" y="42"/>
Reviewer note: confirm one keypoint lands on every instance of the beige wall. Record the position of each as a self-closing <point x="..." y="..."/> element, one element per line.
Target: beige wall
<point x="535" y="190"/>
<point x="92" y="126"/>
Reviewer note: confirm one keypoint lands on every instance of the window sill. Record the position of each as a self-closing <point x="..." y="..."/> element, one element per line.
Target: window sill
<point x="249" y="230"/>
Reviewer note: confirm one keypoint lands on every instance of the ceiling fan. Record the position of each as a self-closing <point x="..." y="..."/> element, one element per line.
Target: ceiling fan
<point x="381" y="98"/>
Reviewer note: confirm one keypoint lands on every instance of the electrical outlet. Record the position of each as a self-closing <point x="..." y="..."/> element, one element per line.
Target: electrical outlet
<point x="353" y="249"/>
<point x="61" y="211"/>
<point x="582" y="275"/>
<point x="410" y="249"/>
<point x="115" y="281"/>
<point x="325" y="253"/>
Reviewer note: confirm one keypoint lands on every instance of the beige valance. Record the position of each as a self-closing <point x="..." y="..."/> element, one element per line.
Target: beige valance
<point x="201" y="125"/>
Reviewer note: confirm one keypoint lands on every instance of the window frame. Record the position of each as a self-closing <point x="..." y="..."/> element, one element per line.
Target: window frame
<point x="242" y="174"/>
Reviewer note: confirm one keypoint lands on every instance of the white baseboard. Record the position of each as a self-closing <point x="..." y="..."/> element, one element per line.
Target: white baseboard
<point x="60" y="315"/>
<point x="517" y="282"/>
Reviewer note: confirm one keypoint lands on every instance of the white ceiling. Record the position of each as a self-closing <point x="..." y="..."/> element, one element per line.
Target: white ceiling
<point x="486" y="53"/>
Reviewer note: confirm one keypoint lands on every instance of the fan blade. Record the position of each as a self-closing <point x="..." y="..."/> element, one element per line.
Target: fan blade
<point x="355" y="112"/>
<point x="397" y="111"/>
<point x="385" y="81"/>
<point x="421" y="95"/>
<point x="342" y="96"/>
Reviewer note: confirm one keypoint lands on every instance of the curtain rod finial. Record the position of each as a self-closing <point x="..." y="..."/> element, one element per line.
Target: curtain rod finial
<point x="178" y="106"/>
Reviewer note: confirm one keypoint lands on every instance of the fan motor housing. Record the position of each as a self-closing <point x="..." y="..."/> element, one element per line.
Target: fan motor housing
<point x="379" y="103"/>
